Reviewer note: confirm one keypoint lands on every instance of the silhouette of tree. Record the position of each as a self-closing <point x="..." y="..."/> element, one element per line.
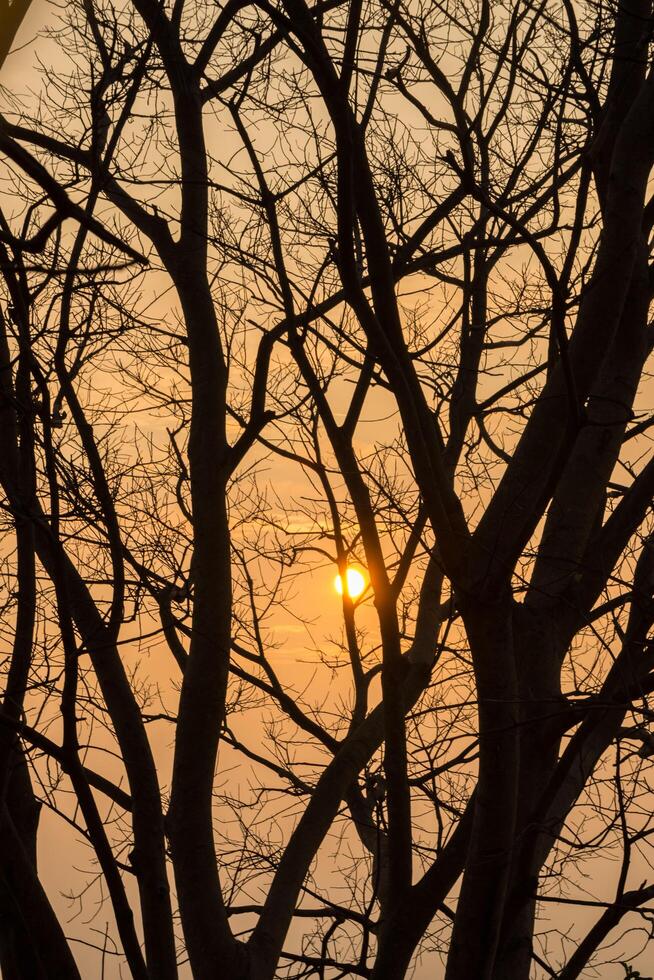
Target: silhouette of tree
<point x="289" y="288"/>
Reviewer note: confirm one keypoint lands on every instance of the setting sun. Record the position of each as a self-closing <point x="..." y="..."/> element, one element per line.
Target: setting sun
<point x="356" y="583"/>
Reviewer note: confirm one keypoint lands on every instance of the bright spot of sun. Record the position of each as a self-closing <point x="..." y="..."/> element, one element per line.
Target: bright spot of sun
<point x="355" y="583"/>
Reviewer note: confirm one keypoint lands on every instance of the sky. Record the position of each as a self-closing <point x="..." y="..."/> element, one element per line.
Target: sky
<point x="311" y="618"/>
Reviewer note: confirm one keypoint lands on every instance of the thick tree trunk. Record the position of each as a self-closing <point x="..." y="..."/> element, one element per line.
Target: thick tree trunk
<point x="18" y="956"/>
<point x="408" y="924"/>
<point x="34" y="938"/>
<point x="541" y="704"/>
<point x="478" y="920"/>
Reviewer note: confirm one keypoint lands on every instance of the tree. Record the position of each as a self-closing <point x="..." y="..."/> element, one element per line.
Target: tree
<point x="292" y="287"/>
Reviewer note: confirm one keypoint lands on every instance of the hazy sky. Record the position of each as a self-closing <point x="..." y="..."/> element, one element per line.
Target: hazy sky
<point x="315" y="601"/>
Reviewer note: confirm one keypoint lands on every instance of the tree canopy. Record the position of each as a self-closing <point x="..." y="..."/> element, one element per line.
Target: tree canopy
<point x="292" y="292"/>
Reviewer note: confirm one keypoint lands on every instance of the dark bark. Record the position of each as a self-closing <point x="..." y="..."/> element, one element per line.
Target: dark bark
<point x="11" y="17"/>
<point x="486" y="875"/>
<point x="408" y="923"/>
<point x="32" y="917"/>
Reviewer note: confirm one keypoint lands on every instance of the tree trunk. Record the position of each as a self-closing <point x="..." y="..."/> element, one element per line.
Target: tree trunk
<point x="478" y="920"/>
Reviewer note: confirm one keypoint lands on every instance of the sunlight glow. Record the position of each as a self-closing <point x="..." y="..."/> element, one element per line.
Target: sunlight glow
<point x="355" y="583"/>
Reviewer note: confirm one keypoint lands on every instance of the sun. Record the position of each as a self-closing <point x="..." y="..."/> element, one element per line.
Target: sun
<point x="355" y="583"/>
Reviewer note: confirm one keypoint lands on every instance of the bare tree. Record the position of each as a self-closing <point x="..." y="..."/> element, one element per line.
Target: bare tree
<point x="290" y="289"/>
